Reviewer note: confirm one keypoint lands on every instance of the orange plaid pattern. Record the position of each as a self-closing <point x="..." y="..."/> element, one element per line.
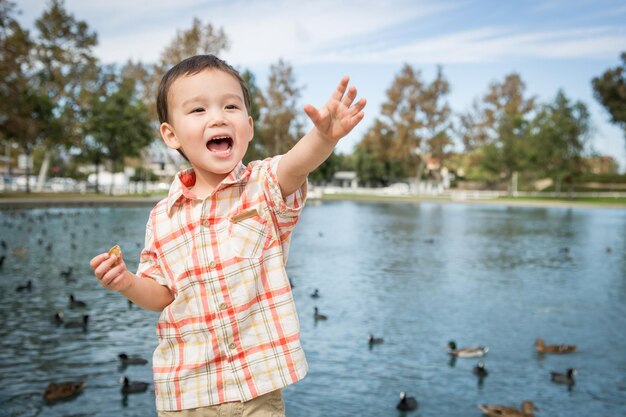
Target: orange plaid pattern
<point x="232" y="332"/>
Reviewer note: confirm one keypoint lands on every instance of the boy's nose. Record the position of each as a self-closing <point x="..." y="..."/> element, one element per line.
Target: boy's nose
<point x="216" y="118"/>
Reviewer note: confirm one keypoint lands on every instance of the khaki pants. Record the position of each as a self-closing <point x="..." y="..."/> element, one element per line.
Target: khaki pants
<point x="267" y="405"/>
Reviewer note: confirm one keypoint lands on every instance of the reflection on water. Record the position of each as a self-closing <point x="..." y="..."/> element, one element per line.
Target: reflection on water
<point x="417" y="275"/>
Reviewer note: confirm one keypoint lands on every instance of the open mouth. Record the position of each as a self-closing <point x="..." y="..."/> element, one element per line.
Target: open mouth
<point x="220" y="144"/>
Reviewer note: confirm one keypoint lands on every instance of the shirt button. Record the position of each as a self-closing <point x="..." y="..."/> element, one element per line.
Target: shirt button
<point x="232" y="346"/>
<point x="206" y="223"/>
<point x="212" y="264"/>
<point x="223" y="306"/>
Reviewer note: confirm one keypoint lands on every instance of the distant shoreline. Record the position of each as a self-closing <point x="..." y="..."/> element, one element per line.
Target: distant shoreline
<point x="49" y="200"/>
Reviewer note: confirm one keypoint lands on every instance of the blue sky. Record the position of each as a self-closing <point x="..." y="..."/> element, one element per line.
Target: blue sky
<point x="552" y="44"/>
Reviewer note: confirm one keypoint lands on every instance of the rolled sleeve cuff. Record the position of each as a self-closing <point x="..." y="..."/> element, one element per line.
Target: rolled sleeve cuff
<point x="290" y="206"/>
<point x="149" y="268"/>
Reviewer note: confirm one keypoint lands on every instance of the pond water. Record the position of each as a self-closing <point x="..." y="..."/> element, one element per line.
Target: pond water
<point x="417" y="275"/>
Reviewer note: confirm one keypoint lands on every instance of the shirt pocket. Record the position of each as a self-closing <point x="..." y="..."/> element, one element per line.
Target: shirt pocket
<point x="248" y="232"/>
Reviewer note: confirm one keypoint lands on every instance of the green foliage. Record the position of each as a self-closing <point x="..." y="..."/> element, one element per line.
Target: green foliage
<point x="118" y="125"/>
<point x="65" y="66"/>
<point x="413" y="125"/>
<point x="198" y="39"/>
<point x="501" y="126"/>
<point x="602" y="178"/>
<point x="280" y="123"/>
<point x="610" y="91"/>
<point x="256" y="150"/>
<point x="326" y="171"/>
<point x="143" y="174"/>
<point x="559" y="134"/>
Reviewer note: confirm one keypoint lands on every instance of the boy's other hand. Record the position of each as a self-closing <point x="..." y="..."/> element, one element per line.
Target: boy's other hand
<point x="338" y="116"/>
<point x="111" y="271"/>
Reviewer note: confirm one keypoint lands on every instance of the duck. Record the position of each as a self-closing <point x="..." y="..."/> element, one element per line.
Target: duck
<point x="74" y="303"/>
<point x="318" y="316"/>
<point x="467" y="352"/>
<point x="135" y="360"/>
<point x="406" y="403"/>
<point x="21" y="251"/>
<point x="566" y="378"/>
<point x="67" y="274"/>
<point x="541" y="347"/>
<point x="78" y="324"/>
<point x="27" y="287"/>
<point x="527" y="410"/>
<point x="57" y="318"/>
<point x="62" y="390"/>
<point x="374" y="340"/>
<point x="480" y="370"/>
<point x="315" y="294"/>
<point x="134" y="387"/>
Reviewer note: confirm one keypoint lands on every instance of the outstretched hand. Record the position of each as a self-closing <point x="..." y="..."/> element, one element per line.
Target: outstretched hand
<point x="111" y="271"/>
<point x="338" y="116"/>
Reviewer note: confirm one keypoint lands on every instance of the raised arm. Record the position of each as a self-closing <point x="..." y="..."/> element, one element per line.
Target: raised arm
<point x="331" y="122"/>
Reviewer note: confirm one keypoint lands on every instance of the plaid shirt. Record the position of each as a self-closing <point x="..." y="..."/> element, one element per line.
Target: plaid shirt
<point x="232" y="332"/>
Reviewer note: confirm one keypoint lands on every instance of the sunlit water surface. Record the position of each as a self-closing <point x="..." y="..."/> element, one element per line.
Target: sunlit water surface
<point x="417" y="275"/>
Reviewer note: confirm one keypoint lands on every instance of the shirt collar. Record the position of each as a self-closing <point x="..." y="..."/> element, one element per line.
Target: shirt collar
<point x="185" y="179"/>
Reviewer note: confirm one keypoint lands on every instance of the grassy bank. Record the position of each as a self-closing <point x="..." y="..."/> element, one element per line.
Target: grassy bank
<point x="62" y="196"/>
<point x="50" y="199"/>
<point x="532" y="201"/>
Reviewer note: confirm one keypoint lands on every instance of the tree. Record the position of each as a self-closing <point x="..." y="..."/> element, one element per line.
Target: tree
<point x="25" y="113"/>
<point x="65" y="66"/>
<point x="375" y="159"/>
<point x="502" y="125"/>
<point x="256" y="150"/>
<point x="560" y="131"/>
<point x="436" y="113"/>
<point x="199" y="39"/>
<point x="610" y="91"/>
<point x="412" y="126"/>
<point x="507" y="156"/>
<point x="280" y="117"/>
<point x="472" y="128"/>
<point x="118" y="124"/>
<point x="326" y="171"/>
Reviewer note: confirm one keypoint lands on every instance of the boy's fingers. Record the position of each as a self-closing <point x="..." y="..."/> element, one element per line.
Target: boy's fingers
<point x="97" y="260"/>
<point x="357" y="107"/>
<point x="313" y="113"/>
<point x="349" y="98"/>
<point x="105" y="266"/>
<point x="357" y="118"/>
<point x="109" y="277"/>
<point x="360" y="105"/>
<point x="341" y="88"/>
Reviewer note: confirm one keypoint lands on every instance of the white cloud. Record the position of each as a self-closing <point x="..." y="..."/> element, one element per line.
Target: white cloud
<point x="495" y="45"/>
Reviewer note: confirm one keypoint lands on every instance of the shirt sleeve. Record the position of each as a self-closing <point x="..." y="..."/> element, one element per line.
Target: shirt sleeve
<point x="148" y="264"/>
<point x="286" y="209"/>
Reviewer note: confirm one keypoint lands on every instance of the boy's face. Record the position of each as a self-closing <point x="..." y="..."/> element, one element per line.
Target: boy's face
<point x="209" y="122"/>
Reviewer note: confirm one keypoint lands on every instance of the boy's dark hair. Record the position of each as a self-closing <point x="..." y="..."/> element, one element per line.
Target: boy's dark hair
<point x="191" y="66"/>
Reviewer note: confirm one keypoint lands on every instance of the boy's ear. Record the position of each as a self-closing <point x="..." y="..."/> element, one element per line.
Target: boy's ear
<point x="251" y="123"/>
<point x="169" y="136"/>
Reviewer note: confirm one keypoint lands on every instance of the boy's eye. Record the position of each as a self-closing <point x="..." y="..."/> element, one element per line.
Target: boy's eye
<point x="231" y="107"/>
<point x="197" y="110"/>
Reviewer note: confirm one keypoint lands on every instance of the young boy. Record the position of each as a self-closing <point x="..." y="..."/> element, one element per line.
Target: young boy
<point x="216" y="247"/>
